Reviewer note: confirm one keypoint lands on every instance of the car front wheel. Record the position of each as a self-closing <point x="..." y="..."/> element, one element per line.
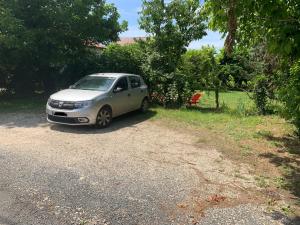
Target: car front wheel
<point x="104" y="117"/>
<point x="145" y="105"/>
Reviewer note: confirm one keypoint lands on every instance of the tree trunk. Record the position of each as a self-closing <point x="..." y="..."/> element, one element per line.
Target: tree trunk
<point x="217" y="98"/>
<point x="232" y="28"/>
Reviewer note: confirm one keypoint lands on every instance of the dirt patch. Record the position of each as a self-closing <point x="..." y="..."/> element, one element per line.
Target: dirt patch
<point x="269" y="157"/>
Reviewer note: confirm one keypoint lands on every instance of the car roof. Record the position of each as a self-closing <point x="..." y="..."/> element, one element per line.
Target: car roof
<point x="112" y="75"/>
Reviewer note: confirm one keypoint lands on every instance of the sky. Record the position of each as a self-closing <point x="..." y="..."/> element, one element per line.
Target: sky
<point x="129" y="9"/>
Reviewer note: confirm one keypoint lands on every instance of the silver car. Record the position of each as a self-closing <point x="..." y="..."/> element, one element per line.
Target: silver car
<point x="97" y="99"/>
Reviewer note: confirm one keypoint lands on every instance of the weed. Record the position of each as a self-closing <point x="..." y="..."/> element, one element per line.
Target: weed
<point x="246" y="150"/>
<point x="262" y="134"/>
<point x="262" y="181"/>
<point x="83" y="222"/>
<point x="287" y="210"/>
<point x="280" y="182"/>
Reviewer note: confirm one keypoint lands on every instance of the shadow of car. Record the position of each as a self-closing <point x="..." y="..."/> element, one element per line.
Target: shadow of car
<point x="126" y="120"/>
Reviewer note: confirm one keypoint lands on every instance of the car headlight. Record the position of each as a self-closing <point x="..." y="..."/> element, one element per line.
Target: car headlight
<point x="49" y="100"/>
<point x="84" y="104"/>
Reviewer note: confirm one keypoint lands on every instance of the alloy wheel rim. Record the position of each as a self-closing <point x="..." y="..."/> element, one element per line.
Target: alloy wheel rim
<point x="103" y="118"/>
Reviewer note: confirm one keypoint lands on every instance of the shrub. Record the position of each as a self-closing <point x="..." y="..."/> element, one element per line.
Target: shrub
<point x="126" y="59"/>
<point x="290" y="95"/>
<point x="260" y="94"/>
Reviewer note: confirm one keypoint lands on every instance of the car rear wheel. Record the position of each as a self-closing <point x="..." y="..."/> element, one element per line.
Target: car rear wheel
<point x="104" y="117"/>
<point x="145" y="105"/>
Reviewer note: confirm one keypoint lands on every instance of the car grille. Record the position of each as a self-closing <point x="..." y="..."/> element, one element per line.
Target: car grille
<point x="60" y="119"/>
<point x="62" y="105"/>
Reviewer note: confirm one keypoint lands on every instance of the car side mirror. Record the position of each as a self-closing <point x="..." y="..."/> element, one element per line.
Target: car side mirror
<point x="118" y="89"/>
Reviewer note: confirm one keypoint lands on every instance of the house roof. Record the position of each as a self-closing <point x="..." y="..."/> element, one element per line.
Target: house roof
<point x="130" y="40"/>
<point x="94" y="44"/>
<point x="123" y="41"/>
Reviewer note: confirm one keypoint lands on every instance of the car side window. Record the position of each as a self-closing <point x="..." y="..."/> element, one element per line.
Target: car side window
<point x="122" y="84"/>
<point x="135" y="82"/>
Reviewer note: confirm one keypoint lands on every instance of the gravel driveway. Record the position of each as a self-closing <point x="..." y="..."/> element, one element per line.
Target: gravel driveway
<point x="137" y="172"/>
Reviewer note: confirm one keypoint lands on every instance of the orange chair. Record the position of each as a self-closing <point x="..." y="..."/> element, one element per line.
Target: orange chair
<point x="195" y="99"/>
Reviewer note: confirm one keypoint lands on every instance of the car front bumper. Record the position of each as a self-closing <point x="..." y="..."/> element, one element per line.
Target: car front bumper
<point x="84" y="116"/>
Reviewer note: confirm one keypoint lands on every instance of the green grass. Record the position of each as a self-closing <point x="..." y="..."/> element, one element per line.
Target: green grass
<point x="237" y="117"/>
<point x="233" y="102"/>
<point x="233" y="125"/>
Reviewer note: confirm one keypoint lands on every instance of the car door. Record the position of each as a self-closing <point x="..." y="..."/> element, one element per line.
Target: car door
<point x="121" y="99"/>
<point x="138" y="93"/>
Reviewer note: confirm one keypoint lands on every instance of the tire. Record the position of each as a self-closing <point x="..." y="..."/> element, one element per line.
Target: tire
<point x="104" y="117"/>
<point x="145" y="105"/>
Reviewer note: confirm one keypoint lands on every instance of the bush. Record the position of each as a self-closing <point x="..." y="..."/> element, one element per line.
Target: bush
<point x="260" y="94"/>
<point x="125" y="59"/>
<point x="114" y="58"/>
<point x="290" y="95"/>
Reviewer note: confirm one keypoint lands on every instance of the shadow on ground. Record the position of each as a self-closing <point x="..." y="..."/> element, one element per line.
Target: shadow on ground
<point x="276" y="215"/>
<point x="37" y="118"/>
<point x="289" y="164"/>
<point x="127" y="120"/>
<point x="23" y="119"/>
<point x="290" y="167"/>
<point x="290" y="143"/>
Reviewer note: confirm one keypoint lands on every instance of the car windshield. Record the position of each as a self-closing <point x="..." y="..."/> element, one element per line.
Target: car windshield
<point x="94" y="83"/>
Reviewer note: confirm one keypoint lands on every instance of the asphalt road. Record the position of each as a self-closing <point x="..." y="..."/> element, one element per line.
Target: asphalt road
<point x="137" y="172"/>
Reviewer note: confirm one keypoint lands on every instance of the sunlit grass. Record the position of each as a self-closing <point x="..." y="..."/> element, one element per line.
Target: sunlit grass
<point x="238" y="127"/>
<point x="233" y="102"/>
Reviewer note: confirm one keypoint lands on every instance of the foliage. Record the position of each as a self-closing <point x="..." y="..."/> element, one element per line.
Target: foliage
<point x="277" y="27"/>
<point x="260" y="94"/>
<point x="265" y="82"/>
<point x="43" y="37"/>
<point x="224" y="16"/>
<point x="173" y="26"/>
<point x="290" y="94"/>
<point x="201" y="66"/>
<point x="126" y="59"/>
<point x="240" y="69"/>
<point x="203" y="70"/>
<point x="206" y="70"/>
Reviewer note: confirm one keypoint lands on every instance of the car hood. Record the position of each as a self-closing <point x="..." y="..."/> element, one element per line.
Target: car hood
<point x="74" y="95"/>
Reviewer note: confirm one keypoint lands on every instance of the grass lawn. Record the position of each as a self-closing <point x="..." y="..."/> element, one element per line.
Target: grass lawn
<point x="233" y="119"/>
<point x="231" y="101"/>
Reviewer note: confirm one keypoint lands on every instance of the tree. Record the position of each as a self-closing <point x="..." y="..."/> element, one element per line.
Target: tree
<point x="223" y="16"/>
<point x="172" y="27"/>
<point x="10" y="29"/>
<point x="54" y="34"/>
<point x="202" y="70"/>
<point x="126" y="59"/>
<point x="275" y="23"/>
<point x="291" y="95"/>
